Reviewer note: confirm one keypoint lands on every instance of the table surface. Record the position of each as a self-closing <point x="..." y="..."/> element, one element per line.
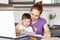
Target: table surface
<point x="51" y="38"/>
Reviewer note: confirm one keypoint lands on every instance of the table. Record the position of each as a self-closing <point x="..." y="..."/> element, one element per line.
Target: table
<point x="50" y="38"/>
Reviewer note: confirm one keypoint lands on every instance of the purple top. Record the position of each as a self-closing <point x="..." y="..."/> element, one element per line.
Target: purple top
<point x="39" y="24"/>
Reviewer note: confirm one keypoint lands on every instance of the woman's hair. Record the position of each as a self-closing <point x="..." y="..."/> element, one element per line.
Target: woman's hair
<point x="26" y="16"/>
<point x="38" y="6"/>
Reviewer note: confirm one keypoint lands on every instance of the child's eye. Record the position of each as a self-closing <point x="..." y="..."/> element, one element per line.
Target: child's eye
<point x="32" y="14"/>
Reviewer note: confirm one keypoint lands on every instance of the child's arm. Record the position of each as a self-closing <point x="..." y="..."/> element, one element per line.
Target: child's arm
<point x="18" y="32"/>
<point x="34" y="32"/>
<point x="31" y="30"/>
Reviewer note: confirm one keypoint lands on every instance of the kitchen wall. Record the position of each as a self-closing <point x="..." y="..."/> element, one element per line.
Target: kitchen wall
<point x="47" y="10"/>
<point x="54" y="9"/>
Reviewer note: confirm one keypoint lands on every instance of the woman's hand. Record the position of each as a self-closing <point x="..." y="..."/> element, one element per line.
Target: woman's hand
<point x="47" y="32"/>
<point x="35" y="29"/>
<point x="16" y="28"/>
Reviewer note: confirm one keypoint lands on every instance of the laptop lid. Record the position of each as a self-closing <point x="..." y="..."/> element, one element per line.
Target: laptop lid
<point x="7" y="26"/>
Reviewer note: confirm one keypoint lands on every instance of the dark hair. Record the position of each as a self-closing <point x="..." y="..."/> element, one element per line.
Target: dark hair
<point x="38" y="6"/>
<point x="26" y="16"/>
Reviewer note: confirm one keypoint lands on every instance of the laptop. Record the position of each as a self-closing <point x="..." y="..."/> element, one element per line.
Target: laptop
<point x="7" y="26"/>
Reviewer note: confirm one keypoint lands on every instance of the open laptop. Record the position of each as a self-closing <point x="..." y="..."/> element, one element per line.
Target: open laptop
<point x="7" y="26"/>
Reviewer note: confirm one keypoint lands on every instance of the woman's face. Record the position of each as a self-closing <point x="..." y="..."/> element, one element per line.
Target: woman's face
<point x="35" y="14"/>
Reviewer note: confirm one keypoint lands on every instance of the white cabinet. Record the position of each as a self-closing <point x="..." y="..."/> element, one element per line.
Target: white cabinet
<point x="21" y="0"/>
<point x="37" y="1"/>
<point x="4" y="1"/>
<point x="45" y="1"/>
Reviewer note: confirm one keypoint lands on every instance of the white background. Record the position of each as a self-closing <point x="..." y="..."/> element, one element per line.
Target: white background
<point x="7" y="27"/>
<point x="4" y="1"/>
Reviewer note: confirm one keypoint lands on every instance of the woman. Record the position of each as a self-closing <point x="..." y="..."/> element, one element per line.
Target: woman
<point x="38" y="24"/>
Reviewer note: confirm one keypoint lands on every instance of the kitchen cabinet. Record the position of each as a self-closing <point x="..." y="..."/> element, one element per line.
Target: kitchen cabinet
<point x="55" y="1"/>
<point x="44" y="1"/>
<point x="22" y="1"/>
<point x="4" y="1"/>
<point x="48" y="1"/>
<point x="55" y="30"/>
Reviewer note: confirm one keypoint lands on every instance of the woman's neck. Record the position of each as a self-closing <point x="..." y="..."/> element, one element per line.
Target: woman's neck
<point x="34" y="21"/>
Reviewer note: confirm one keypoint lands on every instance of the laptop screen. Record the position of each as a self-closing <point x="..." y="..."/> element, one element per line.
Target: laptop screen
<point x="7" y="27"/>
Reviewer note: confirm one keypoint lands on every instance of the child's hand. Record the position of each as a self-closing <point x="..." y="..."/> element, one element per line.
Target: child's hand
<point x="24" y="31"/>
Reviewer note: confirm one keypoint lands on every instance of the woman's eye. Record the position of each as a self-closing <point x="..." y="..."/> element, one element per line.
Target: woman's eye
<point x="36" y="15"/>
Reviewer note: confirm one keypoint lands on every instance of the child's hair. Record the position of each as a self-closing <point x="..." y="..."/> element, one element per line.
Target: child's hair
<point x="38" y="6"/>
<point x="26" y="16"/>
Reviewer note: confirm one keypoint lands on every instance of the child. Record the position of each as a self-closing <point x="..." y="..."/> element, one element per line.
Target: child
<point x="24" y="27"/>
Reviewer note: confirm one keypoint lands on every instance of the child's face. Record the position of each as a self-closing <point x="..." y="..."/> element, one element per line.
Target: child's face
<point x="26" y="22"/>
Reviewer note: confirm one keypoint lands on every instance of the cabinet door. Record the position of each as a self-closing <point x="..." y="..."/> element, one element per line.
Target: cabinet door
<point x="21" y="0"/>
<point x="4" y="1"/>
<point x="45" y="1"/>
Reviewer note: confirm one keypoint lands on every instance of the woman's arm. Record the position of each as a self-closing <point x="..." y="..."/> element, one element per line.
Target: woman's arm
<point x="47" y="32"/>
<point x="16" y="28"/>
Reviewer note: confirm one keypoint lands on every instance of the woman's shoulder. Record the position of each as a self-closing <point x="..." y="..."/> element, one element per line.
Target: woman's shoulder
<point x="42" y="19"/>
